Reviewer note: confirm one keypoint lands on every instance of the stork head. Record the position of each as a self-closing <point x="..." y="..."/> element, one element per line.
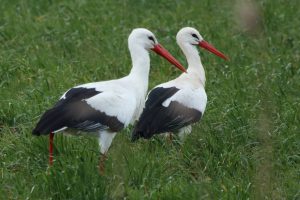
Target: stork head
<point x="189" y="35"/>
<point x="141" y="37"/>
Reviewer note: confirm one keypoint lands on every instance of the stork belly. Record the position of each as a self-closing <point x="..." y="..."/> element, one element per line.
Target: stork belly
<point x="75" y="132"/>
<point x="190" y="98"/>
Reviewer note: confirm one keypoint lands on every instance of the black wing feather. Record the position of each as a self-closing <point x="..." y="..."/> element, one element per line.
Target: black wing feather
<point x="157" y="118"/>
<point x="74" y="112"/>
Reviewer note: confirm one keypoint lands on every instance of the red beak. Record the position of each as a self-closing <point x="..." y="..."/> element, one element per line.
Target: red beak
<point x="212" y="49"/>
<point x="160" y="50"/>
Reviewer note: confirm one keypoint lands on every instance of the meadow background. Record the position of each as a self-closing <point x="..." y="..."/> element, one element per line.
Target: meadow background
<point x="247" y="145"/>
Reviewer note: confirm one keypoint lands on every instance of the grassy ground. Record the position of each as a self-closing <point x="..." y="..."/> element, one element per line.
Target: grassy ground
<point x="246" y="147"/>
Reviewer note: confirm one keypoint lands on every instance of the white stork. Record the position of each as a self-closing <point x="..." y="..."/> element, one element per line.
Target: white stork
<point x="175" y="105"/>
<point x="109" y="106"/>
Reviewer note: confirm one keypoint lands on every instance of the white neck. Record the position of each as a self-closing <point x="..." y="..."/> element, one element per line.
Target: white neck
<point x="140" y="66"/>
<point x="195" y="67"/>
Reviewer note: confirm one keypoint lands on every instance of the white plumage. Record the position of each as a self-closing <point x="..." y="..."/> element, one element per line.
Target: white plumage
<point x="176" y="104"/>
<point x="106" y="107"/>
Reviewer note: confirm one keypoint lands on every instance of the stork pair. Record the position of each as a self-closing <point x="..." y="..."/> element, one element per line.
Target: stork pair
<point x="107" y="107"/>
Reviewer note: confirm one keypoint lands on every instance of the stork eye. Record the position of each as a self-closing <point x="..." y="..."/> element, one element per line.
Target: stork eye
<point x="151" y="38"/>
<point x="195" y="36"/>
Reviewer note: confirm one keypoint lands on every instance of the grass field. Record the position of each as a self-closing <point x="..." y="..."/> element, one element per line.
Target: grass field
<point x="247" y="146"/>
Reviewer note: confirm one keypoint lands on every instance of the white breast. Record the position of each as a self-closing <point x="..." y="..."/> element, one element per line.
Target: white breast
<point x="191" y="92"/>
<point x="117" y="99"/>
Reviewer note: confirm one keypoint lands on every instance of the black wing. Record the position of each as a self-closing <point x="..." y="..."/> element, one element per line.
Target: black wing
<point x="157" y="118"/>
<point x="72" y="111"/>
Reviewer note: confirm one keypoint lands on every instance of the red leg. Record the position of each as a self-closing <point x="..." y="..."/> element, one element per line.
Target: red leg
<point x="51" y="136"/>
<point x="170" y="137"/>
<point x="102" y="163"/>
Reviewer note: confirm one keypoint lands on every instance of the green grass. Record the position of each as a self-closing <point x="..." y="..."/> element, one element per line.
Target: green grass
<point x="247" y="146"/>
